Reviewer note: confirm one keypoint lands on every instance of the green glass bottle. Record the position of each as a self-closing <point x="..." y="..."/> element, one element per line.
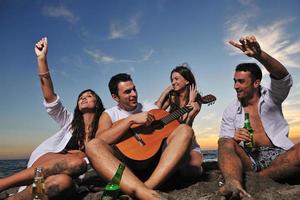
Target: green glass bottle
<point x="249" y="145"/>
<point x="112" y="189"/>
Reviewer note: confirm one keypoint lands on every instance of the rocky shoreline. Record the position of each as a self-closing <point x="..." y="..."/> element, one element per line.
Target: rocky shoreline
<point x="207" y="188"/>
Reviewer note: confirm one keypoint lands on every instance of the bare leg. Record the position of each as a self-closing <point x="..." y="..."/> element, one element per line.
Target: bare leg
<point x="178" y="143"/>
<point x="70" y="164"/>
<point x="105" y="163"/>
<point x="192" y="166"/>
<point x="285" y="165"/>
<point x="232" y="159"/>
<point x="56" y="186"/>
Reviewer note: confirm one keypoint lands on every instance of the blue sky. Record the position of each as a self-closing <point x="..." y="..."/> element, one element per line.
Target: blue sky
<point x="90" y="41"/>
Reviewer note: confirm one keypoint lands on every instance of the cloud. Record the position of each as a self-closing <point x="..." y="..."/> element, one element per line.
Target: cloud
<point x="99" y="57"/>
<point x="292" y="102"/>
<point x="60" y="11"/>
<point x="246" y="2"/>
<point x="209" y="116"/>
<point x="122" y="30"/>
<point x="273" y="37"/>
<point x="291" y="110"/>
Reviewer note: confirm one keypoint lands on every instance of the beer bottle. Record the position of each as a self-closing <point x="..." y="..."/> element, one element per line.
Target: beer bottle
<point x="247" y="126"/>
<point x="38" y="185"/>
<point x="112" y="189"/>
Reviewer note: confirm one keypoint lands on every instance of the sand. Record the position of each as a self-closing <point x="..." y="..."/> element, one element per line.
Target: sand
<point x="207" y="188"/>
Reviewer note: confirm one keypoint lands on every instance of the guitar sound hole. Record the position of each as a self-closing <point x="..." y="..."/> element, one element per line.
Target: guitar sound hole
<point x="157" y="124"/>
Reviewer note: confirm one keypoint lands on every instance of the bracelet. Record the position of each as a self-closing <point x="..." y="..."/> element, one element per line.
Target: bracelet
<point x="44" y="74"/>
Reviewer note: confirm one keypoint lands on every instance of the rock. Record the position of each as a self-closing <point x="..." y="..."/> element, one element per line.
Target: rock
<point x="207" y="188"/>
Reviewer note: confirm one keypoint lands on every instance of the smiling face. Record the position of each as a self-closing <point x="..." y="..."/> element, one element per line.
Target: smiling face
<point x="127" y="95"/>
<point x="244" y="86"/>
<point x="87" y="102"/>
<point x="179" y="83"/>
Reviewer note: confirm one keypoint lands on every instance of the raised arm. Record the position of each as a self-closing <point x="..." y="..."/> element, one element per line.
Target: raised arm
<point x="196" y="107"/>
<point x="251" y="48"/>
<point x="161" y="101"/>
<point x="41" y="49"/>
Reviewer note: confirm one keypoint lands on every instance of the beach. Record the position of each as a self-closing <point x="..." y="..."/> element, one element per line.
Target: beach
<point x="207" y="187"/>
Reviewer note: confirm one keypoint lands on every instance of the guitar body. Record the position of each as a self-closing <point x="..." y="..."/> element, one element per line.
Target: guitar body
<point x="151" y="136"/>
<point x="141" y="143"/>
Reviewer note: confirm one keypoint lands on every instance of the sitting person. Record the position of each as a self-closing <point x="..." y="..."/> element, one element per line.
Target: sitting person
<point x="113" y="125"/>
<point x="273" y="155"/>
<point x="62" y="155"/>
<point x="181" y="93"/>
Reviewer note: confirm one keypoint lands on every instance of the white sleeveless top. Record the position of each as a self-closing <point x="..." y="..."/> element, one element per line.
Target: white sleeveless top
<point x="116" y="113"/>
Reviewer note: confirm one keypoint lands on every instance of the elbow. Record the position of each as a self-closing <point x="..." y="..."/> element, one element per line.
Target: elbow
<point x="158" y="104"/>
<point x="102" y="137"/>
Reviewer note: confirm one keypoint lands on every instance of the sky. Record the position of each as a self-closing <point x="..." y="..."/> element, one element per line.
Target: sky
<point x="90" y="41"/>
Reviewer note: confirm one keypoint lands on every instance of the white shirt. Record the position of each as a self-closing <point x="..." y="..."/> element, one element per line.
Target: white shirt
<point x="59" y="140"/>
<point x="270" y="111"/>
<point x="116" y="113"/>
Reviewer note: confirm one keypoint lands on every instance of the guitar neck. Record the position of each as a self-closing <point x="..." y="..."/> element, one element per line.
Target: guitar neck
<point x="175" y="115"/>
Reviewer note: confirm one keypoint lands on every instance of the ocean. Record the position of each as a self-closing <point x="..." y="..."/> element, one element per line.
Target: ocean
<point x="9" y="167"/>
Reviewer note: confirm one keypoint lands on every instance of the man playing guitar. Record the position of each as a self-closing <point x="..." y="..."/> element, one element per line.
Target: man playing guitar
<point x="104" y="157"/>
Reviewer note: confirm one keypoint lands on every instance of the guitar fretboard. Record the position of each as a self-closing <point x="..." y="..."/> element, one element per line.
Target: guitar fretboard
<point x="175" y="115"/>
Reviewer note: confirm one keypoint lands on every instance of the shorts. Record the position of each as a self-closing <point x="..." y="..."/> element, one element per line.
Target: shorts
<point x="262" y="157"/>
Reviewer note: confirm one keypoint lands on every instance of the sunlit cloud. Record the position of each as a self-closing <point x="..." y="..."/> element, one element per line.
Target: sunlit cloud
<point x="292" y="115"/>
<point x="99" y="57"/>
<point x="296" y="91"/>
<point x="212" y="131"/>
<point x="273" y="37"/>
<point x="292" y="102"/>
<point x="60" y="11"/>
<point x="124" y="29"/>
<point x="209" y="116"/>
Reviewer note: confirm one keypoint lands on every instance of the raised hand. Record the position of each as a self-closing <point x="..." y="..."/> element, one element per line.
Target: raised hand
<point x="195" y="109"/>
<point x="41" y="48"/>
<point x="168" y="89"/>
<point x="161" y="103"/>
<point x="248" y="45"/>
<point x="193" y="93"/>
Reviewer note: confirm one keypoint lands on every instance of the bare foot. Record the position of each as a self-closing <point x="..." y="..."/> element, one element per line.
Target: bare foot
<point x="232" y="189"/>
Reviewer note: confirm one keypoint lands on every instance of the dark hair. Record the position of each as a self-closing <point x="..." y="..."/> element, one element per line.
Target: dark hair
<point x="187" y="74"/>
<point x="115" y="80"/>
<point x="253" y="68"/>
<point x="77" y="124"/>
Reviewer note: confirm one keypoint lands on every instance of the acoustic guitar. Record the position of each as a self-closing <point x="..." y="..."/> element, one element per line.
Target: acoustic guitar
<point x="143" y="142"/>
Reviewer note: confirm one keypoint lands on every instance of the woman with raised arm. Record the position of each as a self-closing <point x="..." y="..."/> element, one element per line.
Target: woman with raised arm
<point x="62" y="156"/>
<point x="183" y="92"/>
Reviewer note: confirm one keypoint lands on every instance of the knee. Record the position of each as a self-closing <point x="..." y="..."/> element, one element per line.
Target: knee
<point x="226" y="142"/>
<point x="296" y="149"/>
<point x="58" y="185"/>
<point x="186" y="132"/>
<point x="93" y="146"/>
<point x="196" y="159"/>
<point x="77" y="165"/>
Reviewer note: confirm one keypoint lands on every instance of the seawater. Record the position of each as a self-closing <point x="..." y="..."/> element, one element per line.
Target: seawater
<point x="9" y="167"/>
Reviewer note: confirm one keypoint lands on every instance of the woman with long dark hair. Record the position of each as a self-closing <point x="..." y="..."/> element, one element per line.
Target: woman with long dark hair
<point x="62" y="156"/>
<point x="183" y="92"/>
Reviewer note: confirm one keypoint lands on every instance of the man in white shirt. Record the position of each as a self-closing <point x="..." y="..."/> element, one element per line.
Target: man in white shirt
<point x="105" y="159"/>
<point x="274" y="155"/>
